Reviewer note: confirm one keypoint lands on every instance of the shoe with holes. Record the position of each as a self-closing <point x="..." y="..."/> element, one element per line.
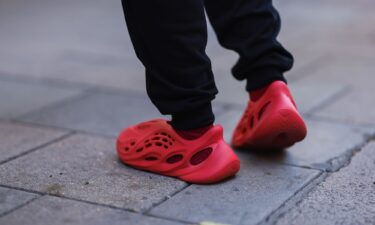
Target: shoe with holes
<point x="156" y="147"/>
<point x="270" y="122"/>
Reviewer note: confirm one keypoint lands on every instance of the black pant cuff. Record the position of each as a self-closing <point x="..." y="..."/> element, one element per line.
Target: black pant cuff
<point x="199" y="117"/>
<point x="263" y="77"/>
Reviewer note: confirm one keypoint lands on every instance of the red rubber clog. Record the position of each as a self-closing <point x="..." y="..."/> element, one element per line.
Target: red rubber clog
<point x="272" y="121"/>
<point x="156" y="147"/>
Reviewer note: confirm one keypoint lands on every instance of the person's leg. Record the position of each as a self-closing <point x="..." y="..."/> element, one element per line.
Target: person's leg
<point x="169" y="37"/>
<point x="250" y="28"/>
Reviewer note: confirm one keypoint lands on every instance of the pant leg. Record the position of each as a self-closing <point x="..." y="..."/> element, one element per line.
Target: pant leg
<point x="170" y="37"/>
<point x="250" y="28"/>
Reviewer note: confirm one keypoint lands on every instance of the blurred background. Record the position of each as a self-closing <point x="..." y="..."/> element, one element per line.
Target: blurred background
<point x="85" y="43"/>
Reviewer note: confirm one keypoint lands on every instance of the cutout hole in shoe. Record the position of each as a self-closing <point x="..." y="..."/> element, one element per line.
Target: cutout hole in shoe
<point x="126" y="149"/>
<point x="163" y="133"/>
<point x="139" y="150"/>
<point x="155" y="138"/>
<point x="148" y="145"/>
<point x="165" y="140"/>
<point x="166" y="146"/>
<point x="132" y="143"/>
<point x="158" y="144"/>
<point x="200" y="156"/>
<point x="262" y="110"/>
<point x="151" y="158"/>
<point x="244" y="130"/>
<point x="252" y="122"/>
<point x="174" y="159"/>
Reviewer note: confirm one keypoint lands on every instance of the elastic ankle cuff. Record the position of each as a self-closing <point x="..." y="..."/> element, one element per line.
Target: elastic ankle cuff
<point x="192" y="119"/>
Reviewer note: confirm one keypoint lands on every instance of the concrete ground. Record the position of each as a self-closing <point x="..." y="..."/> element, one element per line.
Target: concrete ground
<point x="70" y="81"/>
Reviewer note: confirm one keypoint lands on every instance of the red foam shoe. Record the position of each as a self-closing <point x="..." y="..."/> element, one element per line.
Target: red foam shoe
<point x="272" y="121"/>
<point x="156" y="147"/>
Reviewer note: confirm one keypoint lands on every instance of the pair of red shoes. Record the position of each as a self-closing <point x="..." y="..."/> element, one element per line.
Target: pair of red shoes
<point x="271" y="121"/>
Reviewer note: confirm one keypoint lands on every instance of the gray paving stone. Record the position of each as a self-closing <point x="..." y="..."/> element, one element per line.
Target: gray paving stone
<point x="16" y="139"/>
<point x="258" y="189"/>
<point x="357" y="107"/>
<point x="86" y="167"/>
<point x="326" y="146"/>
<point x="17" y="99"/>
<point x="100" y="113"/>
<point x="309" y="94"/>
<point x="90" y="46"/>
<point x="343" y="69"/>
<point x="345" y="197"/>
<point x="55" y="211"/>
<point x="11" y="199"/>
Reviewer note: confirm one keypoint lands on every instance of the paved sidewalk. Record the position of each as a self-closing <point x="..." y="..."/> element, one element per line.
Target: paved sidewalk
<point x="70" y="81"/>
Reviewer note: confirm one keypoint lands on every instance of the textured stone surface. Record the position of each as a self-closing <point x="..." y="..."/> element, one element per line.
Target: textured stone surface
<point x="345" y="197"/>
<point x="325" y="147"/>
<point x="56" y="211"/>
<point x="100" y="113"/>
<point x="361" y="110"/>
<point x="16" y="139"/>
<point x="258" y="189"/>
<point x="87" y="168"/>
<point x="358" y="78"/>
<point x="11" y="199"/>
<point x="16" y="99"/>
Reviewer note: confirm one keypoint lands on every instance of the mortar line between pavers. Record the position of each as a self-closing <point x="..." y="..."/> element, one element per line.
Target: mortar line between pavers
<point x="66" y="197"/>
<point x="82" y="94"/>
<point x="64" y="136"/>
<point x="309" y="68"/>
<point x="293" y="200"/>
<point x="75" y="85"/>
<point x="351" y="153"/>
<point x="40" y="125"/>
<point x="37" y="125"/>
<point x="301" y="193"/>
<point x="300" y="166"/>
<point x="42" y="194"/>
<point x="20" y="206"/>
<point x="336" y="96"/>
<point x="303" y="190"/>
<point x="44" y="81"/>
<point x="344" y="158"/>
<point x="340" y="121"/>
<point x="147" y="211"/>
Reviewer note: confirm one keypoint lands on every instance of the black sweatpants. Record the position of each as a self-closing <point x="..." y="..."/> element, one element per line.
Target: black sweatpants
<point x="170" y="36"/>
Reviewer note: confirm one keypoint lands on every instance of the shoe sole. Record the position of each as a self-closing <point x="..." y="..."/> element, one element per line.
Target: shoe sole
<point x="279" y="130"/>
